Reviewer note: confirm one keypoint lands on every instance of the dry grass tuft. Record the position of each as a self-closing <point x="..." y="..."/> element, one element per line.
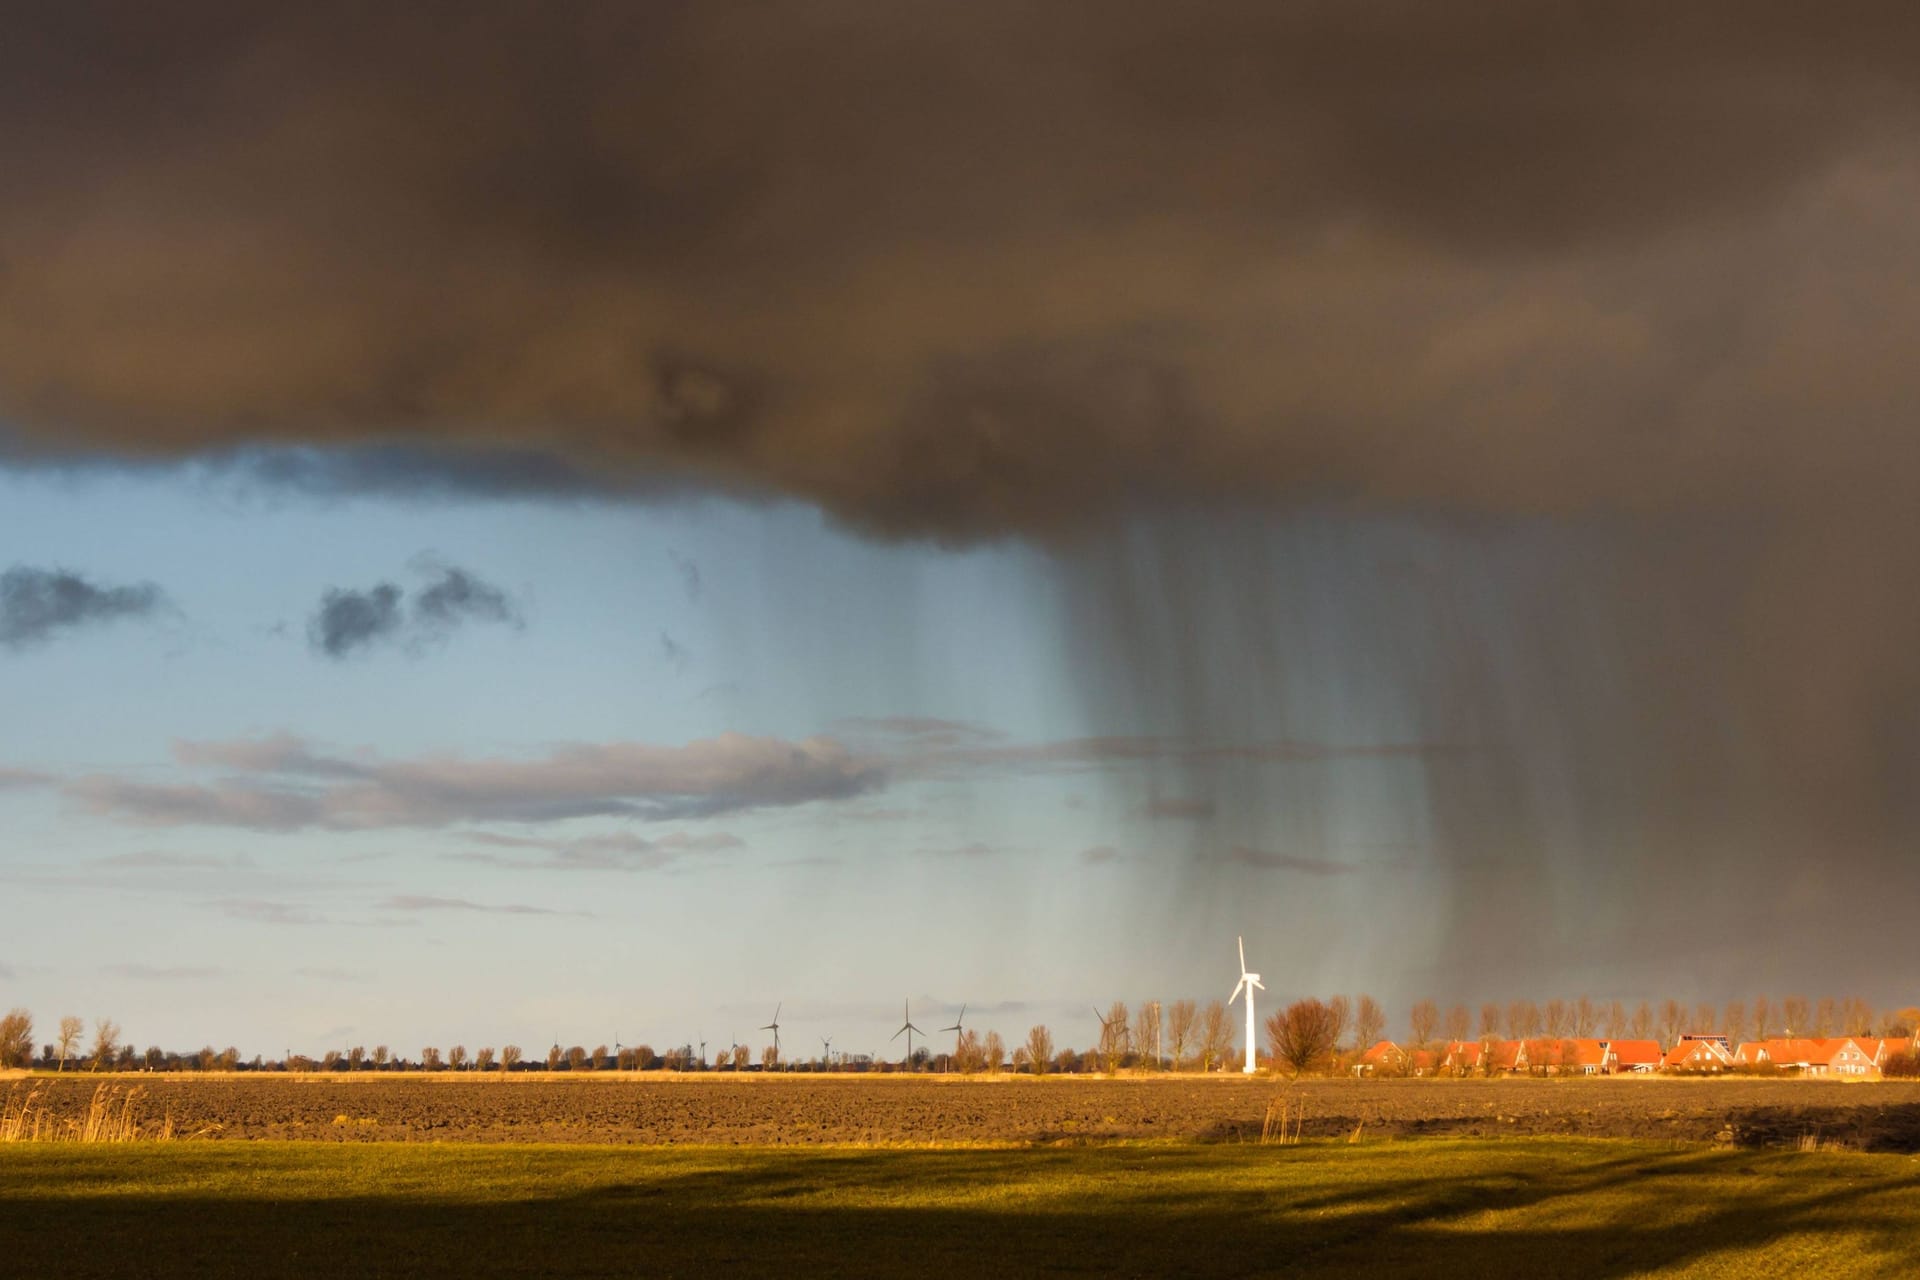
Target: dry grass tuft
<point x="26" y="1117"/>
<point x="1282" y="1124"/>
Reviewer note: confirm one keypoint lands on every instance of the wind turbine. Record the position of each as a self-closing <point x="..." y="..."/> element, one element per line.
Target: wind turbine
<point x="1247" y="983"/>
<point x="774" y="1027"/>
<point x="908" y="1027"/>
<point x="826" y="1051"/>
<point x="1109" y="1044"/>
<point x="956" y="1029"/>
<point x="703" y="1056"/>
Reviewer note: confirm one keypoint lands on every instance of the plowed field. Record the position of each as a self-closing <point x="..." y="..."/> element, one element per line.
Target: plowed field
<point x="657" y="1108"/>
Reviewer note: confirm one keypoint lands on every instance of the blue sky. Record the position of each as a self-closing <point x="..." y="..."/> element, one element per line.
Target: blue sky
<point x="1017" y="882"/>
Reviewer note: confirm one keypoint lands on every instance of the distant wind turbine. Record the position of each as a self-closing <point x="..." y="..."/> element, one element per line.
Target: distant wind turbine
<point x="774" y="1027"/>
<point x="958" y="1031"/>
<point x="907" y="1027"/>
<point x="1247" y="983"/>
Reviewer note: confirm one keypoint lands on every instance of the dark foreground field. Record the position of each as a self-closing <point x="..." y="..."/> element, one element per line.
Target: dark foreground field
<point x="802" y="1110"/>
<point x="1530" y="1207"/>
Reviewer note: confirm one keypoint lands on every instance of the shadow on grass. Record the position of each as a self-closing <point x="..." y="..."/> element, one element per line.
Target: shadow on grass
<point x="1115" y="1211"/>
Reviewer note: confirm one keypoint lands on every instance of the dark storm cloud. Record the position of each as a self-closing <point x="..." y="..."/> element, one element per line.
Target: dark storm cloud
<point x="38" y="604"/>
<point x="1508" y="257"/>
<point x="349" y="620"/>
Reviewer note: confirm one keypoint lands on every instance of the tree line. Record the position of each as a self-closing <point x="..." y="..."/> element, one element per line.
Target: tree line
<point x="1310" y="1034"/>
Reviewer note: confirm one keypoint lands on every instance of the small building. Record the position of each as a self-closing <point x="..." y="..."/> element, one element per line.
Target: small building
<point x="1698" y="1053"/>
<point x="1634" y="1056"/>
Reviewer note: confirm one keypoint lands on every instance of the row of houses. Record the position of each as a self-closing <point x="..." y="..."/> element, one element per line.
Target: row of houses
<point x="1856" y="1057"/>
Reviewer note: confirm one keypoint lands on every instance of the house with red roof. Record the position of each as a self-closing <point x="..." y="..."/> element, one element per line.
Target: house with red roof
<point x="1383" y="1058"/>
<point x="1462" y="1057"/>
<point x="1698" y="1053"/>
<point x="1634" y="1056"/>
<point x="1581" y="1056"/>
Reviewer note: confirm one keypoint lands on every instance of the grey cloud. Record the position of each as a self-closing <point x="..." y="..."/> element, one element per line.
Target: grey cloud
<point x="38" y="604"/>
<point x="281" y="784"/>
<point x="1180" y="807"/>
<point x="613" y="851"/>
<point x="22" y="779"/>
<point x="263" y="911"/>
<point x="418" y="902"/>
<point x="349" y="619"/>
<point x="161" y="973"/>
<point x="1267" y="860"/>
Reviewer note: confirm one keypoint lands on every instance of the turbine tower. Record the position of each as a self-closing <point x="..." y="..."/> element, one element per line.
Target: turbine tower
<point x="956" y="1029"/>
<point x="907" y="1027"/>
<point x="826" y="1051"/>
<point x="774" y="1027"/>
<point x="1247" y="983"/>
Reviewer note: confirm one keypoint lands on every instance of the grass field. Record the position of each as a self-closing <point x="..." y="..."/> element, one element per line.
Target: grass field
<point x="1519" y="1207"/>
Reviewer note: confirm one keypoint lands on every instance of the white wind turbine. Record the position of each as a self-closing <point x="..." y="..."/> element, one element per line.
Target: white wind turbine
<point x="1247" y="983"/>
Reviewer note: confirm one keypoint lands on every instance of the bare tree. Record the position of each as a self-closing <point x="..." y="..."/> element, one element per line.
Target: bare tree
<point x="1489" y="1020"/>
<point x="483" y="1058"/>
<point x="1641" y="1027"/>
<point x="1459" y="1024"/>
<point x="1762" y="1017"/>
<point x="509" y="1056"/>
<point x="995" y="1050"/>
<point x="1216" y="1036"/>
<point x="1113" y="1036"/>
<point x="71" y="1029"/>
<point x="1557" y="1017"/>
<point x="1182" y="1016"/>
<point x="1734" y="1022"/>
<point x="380" y="1055"/>
<point x="357" y="1057"/>
<point x="1303" y="1036"/>
<point x="1826" y="1018"/>
<point x="1616" y="1020"/>
<point x="1342" y="1010"/>
<point x="1794" y="1011"/>
<point x="457" y="1057"/>
<point x="1039" y="1048"/>
<point x="106" y="1042"/>
<point x="555" y="1056"/>
<point x="1369" y="1022"/>
<point x="1424" y="1018"/>
<point x="1673" y="1017"/>
<point x="1146" y="1033"/>
<point x="430" y="1059"/>
<point x="1856" y="1016"/>
<point x="1703" y="1019"/>
<point x="741" y="1057"/>
<point x="597" y="1058"/>
<point x="16" y="1039"/>
<point x="1586" y="1018"/>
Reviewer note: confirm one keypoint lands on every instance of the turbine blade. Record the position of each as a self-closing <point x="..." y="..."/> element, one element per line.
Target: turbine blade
<point x="1243" y="953"/>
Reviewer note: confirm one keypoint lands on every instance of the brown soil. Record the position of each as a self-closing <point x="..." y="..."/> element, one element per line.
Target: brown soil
<point x="794" y="1110"/>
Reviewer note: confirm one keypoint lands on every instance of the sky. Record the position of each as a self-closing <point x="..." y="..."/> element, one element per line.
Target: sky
<point x="590" y="524"/>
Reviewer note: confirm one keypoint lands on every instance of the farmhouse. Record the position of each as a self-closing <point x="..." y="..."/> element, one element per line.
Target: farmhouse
<point x="1634" y="1055"/>
<point x="1698" y="1053"/>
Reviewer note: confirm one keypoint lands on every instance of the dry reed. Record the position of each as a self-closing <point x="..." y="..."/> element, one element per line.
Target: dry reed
<point x="109" y="1117"/>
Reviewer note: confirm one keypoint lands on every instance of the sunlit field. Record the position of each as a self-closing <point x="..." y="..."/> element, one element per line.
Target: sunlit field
<point x="1528" y="1207"/>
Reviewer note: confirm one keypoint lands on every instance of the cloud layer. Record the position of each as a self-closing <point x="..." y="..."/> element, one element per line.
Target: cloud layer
<point x="283" y="784"/>
<point x="1501" y="257"/>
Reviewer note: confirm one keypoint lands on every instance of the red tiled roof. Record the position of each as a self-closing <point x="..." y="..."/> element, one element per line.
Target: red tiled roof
<point x="1385" y="1051"/>
<point x="1635" y="1053"/>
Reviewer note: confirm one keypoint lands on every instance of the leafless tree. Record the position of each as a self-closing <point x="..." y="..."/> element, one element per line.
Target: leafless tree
<point x="995" y="1050"/>
<point x="1733" y="1021"/>
<point x="1459" y="1023"/>
<point x="1616" y="1020"/>
<point x="1703" y="1019"/>
<point x="555" y="1056"/>
<point x="380" y="1055"/>
<point x="1216" y="1035"/>
<point x="356" y="1057"/>
<point x="106" y="1042"/>
<point x="770" y="1058"/>
<point x="1826" y="1018"/>
<point x="509" y="1056"/>
<point x="1424" y="1018"/>
<point x="1523" y="1020"/>
<point x="483" y="1058"/>
<point x="71" y="1029"/>
<point x="1369" y="1022"/>
<point x="1793" y="1010"/>
<point x="598" y="1058"/>
<point x="741" y="1057"/>
<point x="968" y="1056"/>
<point x="1762" y="1017"/>
<point x="1342" y="1010"/>
<point x="1673" y="1018"/>
<point x="1182" y="1016"/>
<point x="429" y="1059"/>
<point x="1303" y="1036"/>
<point x="1856" y="1016"/>
<point x="1039" y="1048"/>
<point x="577" y="1058"/>
<point x="1489" y="1020"/>
<point x="1146" y="1033"/>
<point x="16" y="1039"/>
<point x="1557" y="1017"/>
<point x="457" y="1057"/>
<point x="1641" y="1027"/>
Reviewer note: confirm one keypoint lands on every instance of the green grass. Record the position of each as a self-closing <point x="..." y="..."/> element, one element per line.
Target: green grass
<point x="1486" y="1209"/>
